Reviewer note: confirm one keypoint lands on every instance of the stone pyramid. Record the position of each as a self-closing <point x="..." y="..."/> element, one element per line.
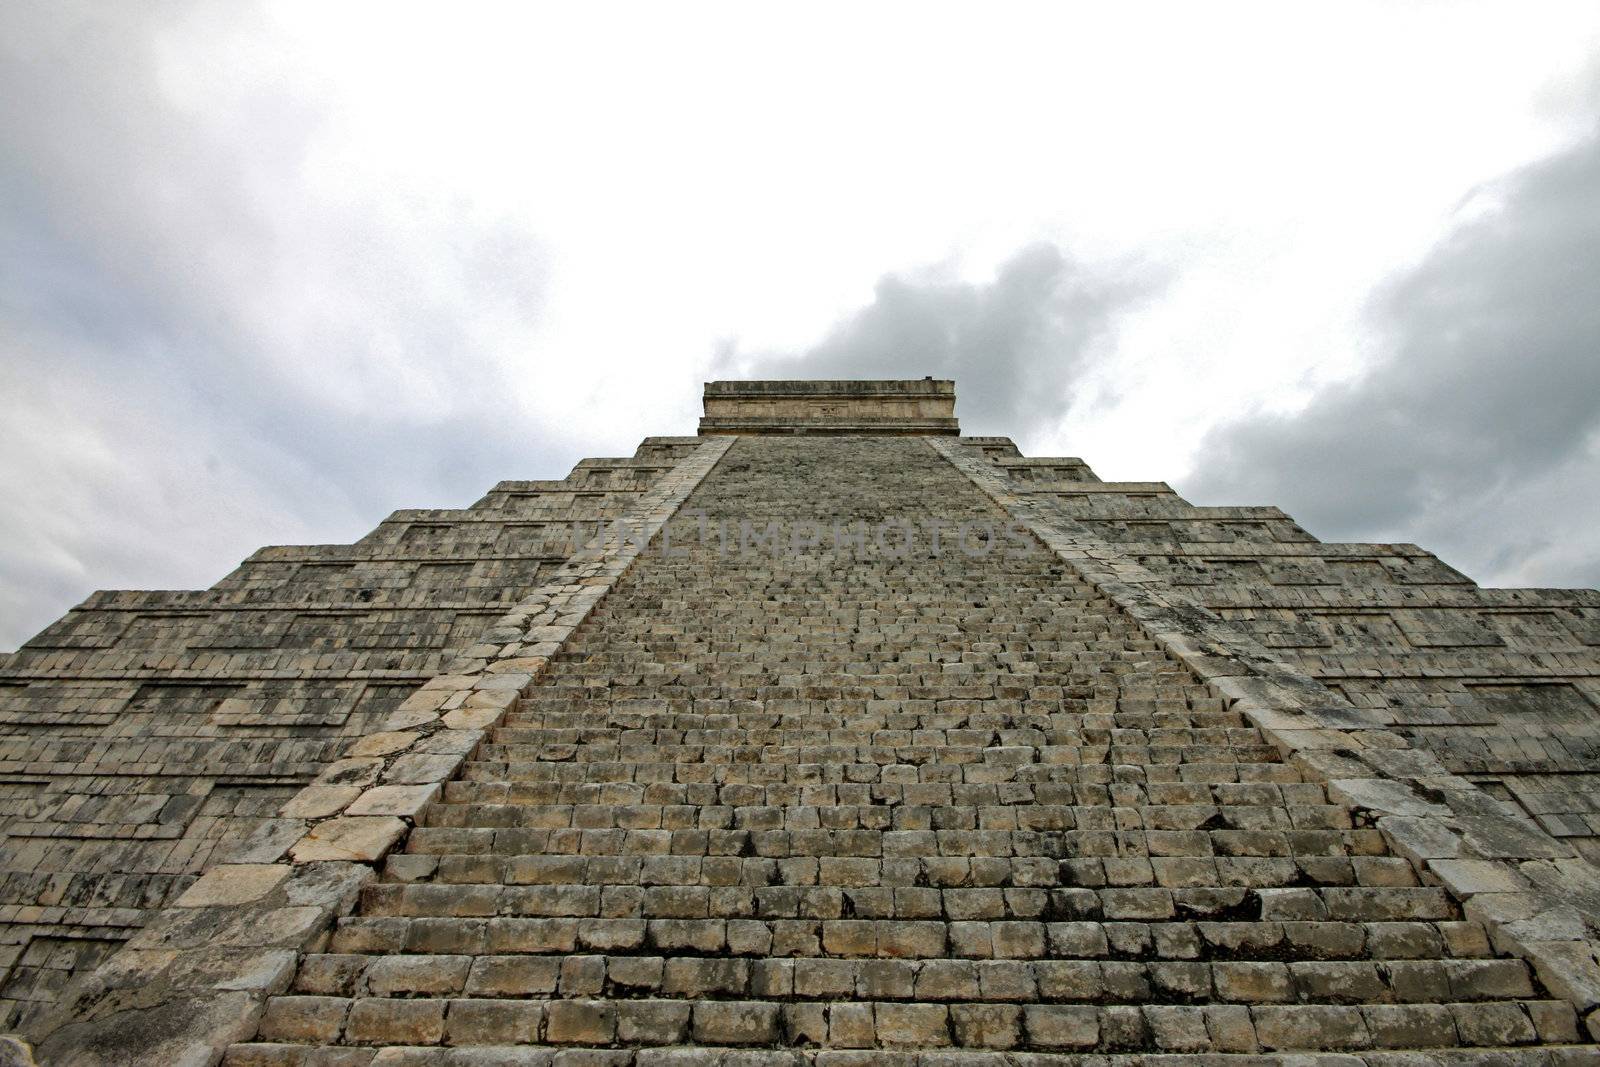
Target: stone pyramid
<point x="829" y="737"/>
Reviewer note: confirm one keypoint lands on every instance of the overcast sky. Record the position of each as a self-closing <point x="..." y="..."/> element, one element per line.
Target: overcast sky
<point x="269" y="272"/>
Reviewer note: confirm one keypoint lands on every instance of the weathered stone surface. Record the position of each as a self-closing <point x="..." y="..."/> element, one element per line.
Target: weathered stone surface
<point x="422" y="768"/>
<point x="1466" y="877"/>
<point x="1384" y="796"/>
<point x="384" y="743"/>
<point x="471" y="718"/>
<point x="361" y="838"/>
<point x="266" y="841"/>
<point x="319" y="801"/>
<point x="823" y="407"/>
<point x="235" y="883"/>
<point x="181" y="1032"/>
<point x="1421" y="839"/>
<point x="404" y="800"/>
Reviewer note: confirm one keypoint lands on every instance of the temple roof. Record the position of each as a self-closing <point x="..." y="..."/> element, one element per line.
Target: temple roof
<point x="893" y="406"/>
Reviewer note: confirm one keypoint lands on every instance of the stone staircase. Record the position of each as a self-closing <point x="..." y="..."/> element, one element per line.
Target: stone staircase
<point x="847" y="806"/>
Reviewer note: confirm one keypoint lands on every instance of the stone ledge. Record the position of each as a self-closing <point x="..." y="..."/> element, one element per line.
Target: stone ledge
<point x="894" y="407"/>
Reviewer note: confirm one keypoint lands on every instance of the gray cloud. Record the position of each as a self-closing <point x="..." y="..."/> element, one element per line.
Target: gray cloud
<point x="205" y="351"/>
<point x="1476" y="433"/>
<point x="1013" y="345"/>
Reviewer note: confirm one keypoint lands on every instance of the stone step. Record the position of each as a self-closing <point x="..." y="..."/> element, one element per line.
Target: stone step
<point x="1055" y="653"/>
<point x="1095" y="857"/>
<point x="864" y="878"/>
<point x="1235" y="940"/>
<point x="956" y="728"/>
<point x="953" y="680"/>
<point x="847" y="661"/>
<point x="1040" y="708"/>
<point x="1273" y="829"/>
<point x="675" y="838"/>
<point x="1159" y="806"/>
<point x="917" y="977"/>
<point x="1173" y="1028"/>
<point x="995" y="719"/>
<point x="541" y="895"/>
<point x="653" y="676"/>
<point x="1169" y="747"/>
<point x="382" y="1021"/>
<point x="1215" y="765"/>
<point x="1102" y="784"/>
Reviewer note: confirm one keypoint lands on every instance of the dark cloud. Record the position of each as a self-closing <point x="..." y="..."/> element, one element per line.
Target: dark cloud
<point x="1476" y="432"/>
<point x="1013" y="345"/>
<point x="206" y="349"/>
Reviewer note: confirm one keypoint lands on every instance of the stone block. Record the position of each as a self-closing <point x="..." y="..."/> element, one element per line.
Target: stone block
<point x="736" y="1022"/>
<point x="580" y="1022"/>
<point x="383" y="743"/>
<point x="318" y="801"/>
<point x="492" y="1022"/>
<point x="400" y="800"/>
<point x="919" y="1026"/>
<point x="1061" y="1026"/>
<point x="308" y="1020"/>
<point x="234" y="883"/>
<point x="376" y="1021"/>
<point x="360" y="839"/>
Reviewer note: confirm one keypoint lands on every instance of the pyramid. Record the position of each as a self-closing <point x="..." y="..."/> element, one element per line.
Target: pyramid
<point x="827" y="736"/>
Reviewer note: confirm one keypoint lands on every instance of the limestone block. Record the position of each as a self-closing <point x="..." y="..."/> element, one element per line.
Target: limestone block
<point x="377" y="1021"/>
<point x="319" y="800"/>
<point x="332" y="886"/>
<point x="402" y="719"/>
<point x="419" y="768"/>
<point x="304" y="1019"/>
<point x="403" y="800"/>
<point x="426" y="699"/>
<point x="1465" y="877"/>
<point x="448" y="682"/>
<point x="1385" y="796"/>
<point x="237" y="883"/>
<point x="490" y="698"/>
<point x="383" y="743"/>
<point x="449" y="741"/>
<point x="472" y="718"/>
<point x="580" y="1022"/>
<point x="1568" y="969"/>
<point x="736" y="1022"/>
<point x="358" y="772"/>
<point x="509" y="682"/>
<point x="267" y="971"/>
<point x="1420" y="839"/>
<point x="520" y="665"/>
<point x="183" y="1031"/>
<point x="1510" y="838"/>
<point x="1062" y="1026"/>
<point x="267" y="842"/>
<point x="361" y="838"/>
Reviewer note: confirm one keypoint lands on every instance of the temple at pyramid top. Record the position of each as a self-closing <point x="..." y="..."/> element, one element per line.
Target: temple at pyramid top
<point x="903" y="406"/>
